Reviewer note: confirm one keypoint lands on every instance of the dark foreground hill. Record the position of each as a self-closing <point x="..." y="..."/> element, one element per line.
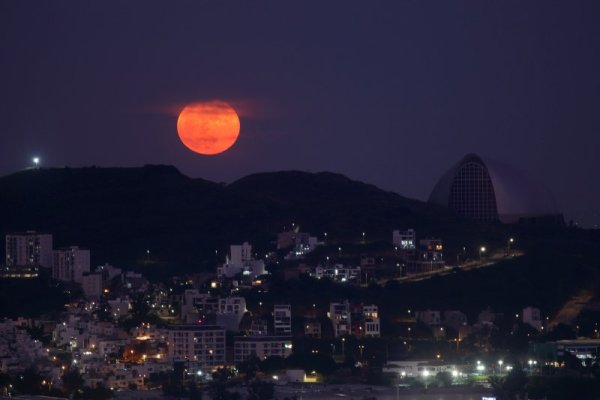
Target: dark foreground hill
<point x="119" y="213"/>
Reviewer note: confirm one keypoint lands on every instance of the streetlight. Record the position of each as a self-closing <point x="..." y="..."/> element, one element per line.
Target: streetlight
<point x="481" y="252"/>
<point x="36" y="161"/>
<point x="340" y="251"/>
<point x="343" y="348"/>
<point x="508" y="243"/>
<point x="363" y="235"/>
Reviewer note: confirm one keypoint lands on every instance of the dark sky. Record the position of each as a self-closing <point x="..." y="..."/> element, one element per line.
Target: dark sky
<point x="390" y="93"/>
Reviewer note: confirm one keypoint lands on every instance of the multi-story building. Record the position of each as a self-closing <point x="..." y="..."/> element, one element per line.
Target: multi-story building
<point x="339" y="314"/>
<point x="240" y="253"/>
<point x="405" y="243"/>
<point x="365" y="320"/>
<point x="312" y="329"/>
<point x="232" y="305"/>
<point x="230" y="313"/>
<point x="405" y="240"/>
<point x="259" y="327"/>
<point x="282" y="319"/>
<point x="29" y="249"/>
<point x="532" y="317"/>
<point x="202" y="344"/>
<point x="70" y="263"/>
<point x="431" y="250"/>
<point x="262" y="347"/>
<point x="370" y="321"/>
<point x="430" y="257"/>
<point x="240" y="261"/>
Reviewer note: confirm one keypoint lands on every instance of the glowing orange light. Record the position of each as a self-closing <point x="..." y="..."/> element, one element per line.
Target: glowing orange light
<point x="208" y="128"/>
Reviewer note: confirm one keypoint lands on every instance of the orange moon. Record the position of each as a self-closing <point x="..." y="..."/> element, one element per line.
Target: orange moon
<point x="209" y="127"/>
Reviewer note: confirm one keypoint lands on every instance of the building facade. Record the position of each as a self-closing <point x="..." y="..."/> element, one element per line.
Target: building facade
<point x="262" y="347"/>
<point x="282" y="319"/>
<point x="29" y="249"/>
<point x="201" y="344"/>
<point x="487" y="190"/>
<point x="69" y="264"/>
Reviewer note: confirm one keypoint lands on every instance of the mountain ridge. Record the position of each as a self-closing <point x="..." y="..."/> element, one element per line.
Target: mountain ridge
<point x="122" y="212"/>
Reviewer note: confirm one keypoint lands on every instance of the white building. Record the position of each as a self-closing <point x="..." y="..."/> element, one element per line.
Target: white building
<point x="240" y="253"/>
<point x="70" y="263"/>
<point x="29" y="249"/>
<point x="230" y="312"/>
<point x="339" y="314"/>
<point x="405" y="240"/>
<point x="532" y="317"/>
<point x="420" y="368"/>
<point x="199" y="343"/>
<point x="371" y="324"/>
<point x="240" y="261"/>
<point x="282" y="319"/>
<point x="261" y="347"/>
<point x="338" y="273"/>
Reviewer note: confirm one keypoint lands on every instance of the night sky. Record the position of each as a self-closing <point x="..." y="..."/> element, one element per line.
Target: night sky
<point x="390" y="93"/>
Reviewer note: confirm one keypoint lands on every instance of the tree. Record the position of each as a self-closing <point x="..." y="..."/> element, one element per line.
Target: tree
<point x="512" y="386"/>
<point x="260" y="390"/>
<point x="249" y="367"/>
<point x="444" y="379"/>
<point x="271" y="364"/>
<point x="218" y="387"/>
<point x="98" y="393"/>
<point x="72" y="381"/>
<point x="28" y="382"/>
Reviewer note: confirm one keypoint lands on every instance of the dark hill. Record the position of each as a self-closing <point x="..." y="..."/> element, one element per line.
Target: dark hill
<point x="121" y="212"/>
<point x="327" y="201"/>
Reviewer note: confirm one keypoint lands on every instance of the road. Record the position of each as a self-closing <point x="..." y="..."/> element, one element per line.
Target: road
<point x="493" y="260"/>
<point x="360" y="392"/>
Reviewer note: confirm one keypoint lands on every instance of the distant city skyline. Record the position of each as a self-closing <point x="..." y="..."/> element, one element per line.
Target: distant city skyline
<point x="392" y="94"/>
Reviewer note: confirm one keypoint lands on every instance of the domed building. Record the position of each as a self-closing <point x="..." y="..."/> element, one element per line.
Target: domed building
<point x="487" y="190"/>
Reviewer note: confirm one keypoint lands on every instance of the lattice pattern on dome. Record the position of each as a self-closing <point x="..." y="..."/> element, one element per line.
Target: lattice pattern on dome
<point x="472" y="193"/>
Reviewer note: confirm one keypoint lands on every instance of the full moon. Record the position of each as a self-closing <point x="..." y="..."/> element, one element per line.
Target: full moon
<point x="209" y="127"/>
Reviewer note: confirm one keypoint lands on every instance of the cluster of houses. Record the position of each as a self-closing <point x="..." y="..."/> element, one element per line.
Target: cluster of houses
<point x="196" y="321"/>
<point x="201" y="327"/>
